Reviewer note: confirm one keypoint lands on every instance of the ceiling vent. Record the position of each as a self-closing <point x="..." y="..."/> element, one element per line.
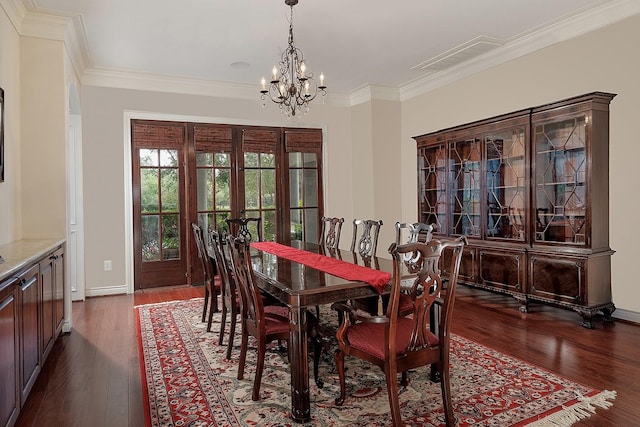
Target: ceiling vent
<point x="459" y="54"/>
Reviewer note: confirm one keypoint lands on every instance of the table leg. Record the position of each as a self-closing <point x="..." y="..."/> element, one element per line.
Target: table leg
<point x="300" y="401"/>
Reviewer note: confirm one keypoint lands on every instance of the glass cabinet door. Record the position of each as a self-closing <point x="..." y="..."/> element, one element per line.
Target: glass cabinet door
<point x="432" y="175"/>
<point x="465" y="157"/>
<point x="561" y="180"/>
<point x="505" y="160"/>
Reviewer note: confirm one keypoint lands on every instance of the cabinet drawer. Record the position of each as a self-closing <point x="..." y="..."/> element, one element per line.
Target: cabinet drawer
<point x="559" y="279"/>
<point x="502" y="269"/>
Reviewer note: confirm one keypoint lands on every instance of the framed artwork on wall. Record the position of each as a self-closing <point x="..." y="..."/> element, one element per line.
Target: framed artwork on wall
<point x="1" y="135"/>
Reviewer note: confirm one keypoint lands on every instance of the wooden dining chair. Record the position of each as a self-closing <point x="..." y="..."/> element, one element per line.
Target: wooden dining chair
<point x="398" y="343"/>
<point x="365" y="236"/>
<point x="250" y="229"/>
<point x="330" y="232"/>
<point x="264" y="323"/>
<point x="211" y="285"/>
<point x="231" y="304"/>
<point x="416" y="232"/>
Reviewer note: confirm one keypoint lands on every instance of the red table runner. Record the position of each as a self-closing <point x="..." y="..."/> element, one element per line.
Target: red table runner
<point x="345" y="270"/>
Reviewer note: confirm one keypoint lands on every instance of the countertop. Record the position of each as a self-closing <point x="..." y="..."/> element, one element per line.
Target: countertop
<point x="22" y="253"/>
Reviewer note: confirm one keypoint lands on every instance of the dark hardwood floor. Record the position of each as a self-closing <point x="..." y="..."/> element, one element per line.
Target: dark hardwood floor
<point x="92" y="376"/>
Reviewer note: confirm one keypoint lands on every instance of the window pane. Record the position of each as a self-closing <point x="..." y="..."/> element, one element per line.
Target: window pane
<point x="296" y="225"/>
<point x="223" y="191"/>
<point x="295" y="160"/>
<point x="295" y="188"/>
<point x="150" y="237"/>
<point x="310" y="160"/>
<point x="251" y="185"/>
<point x="222" y="159"/>
<point x="204" y="159"/>
<point x="269" y="226"/>
<point x="148" y="157"/>
<point x="268" y="189"/>
<point x="311" y="225"/>
<point x="250" y="160"/>
<point x="205" y="220"/>
<point x="168" y="157"/>
<point x="310" y="187"/>
<point x="170" y="193"/>
<point x="149" y="196"/>
<point x="204" y="186"/>
<point x="220" y="220"/>
<point x="170" y="237"/>
<point x="267" y="160"/>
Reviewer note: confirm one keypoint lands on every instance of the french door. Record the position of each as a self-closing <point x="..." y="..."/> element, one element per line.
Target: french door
<point x="158" y="178"/>
<point x="206" y="173"/>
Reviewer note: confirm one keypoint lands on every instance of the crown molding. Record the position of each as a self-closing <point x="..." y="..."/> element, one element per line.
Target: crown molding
<point x="590" y="20"/>
<point x="15" y="10"/>
<point x="371" y="92"/>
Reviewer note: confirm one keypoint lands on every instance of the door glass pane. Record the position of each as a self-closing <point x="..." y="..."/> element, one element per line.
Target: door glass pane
<point x="223" y="191"/>
<point x="561" y="186"/>
<point x="310" y="187"/>
<point x="506" y="184"/>
<point x="204" y="159"/>
<point x="465" y="156"/>
<point x="296" y="225"/>
<point x="269" y="225"/>
<point x="148" y="157"/>
<point x="432" y="173"/>
<point x="251" y="189"/>
<point x="169" y="158"/>
<point x="169" y="191"/>
<point x="311" y="225"/>
<point x="295" y="160"/>
<point x="170" y="237"/>
<point x="204" y="183"/>
<point x="268" y="188"/>
<point x="149" y="194"/>
<point x="150" y="237"/>
<point x="267" y="160"/>
<point x="250" y="160"/>
<point x="295" y="189"/>
<point x="310" y="160"/>
<point x="222" y="159"/>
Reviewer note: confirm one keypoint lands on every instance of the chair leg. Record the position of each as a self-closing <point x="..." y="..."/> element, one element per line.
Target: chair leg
<point x="445" y="385"/>
<point x="214" y="295"/>
<point x="232" y="332"/>
<point x="339" y="358"/>
<point x="223" y="322"/>
<point x="243" y="353"/>
<point x="211" y="311"/>
<point x="206" y="304"/>
<point x="317" y="351"/>
<point x="259" y="368"/>
<point x="391" y="376"/>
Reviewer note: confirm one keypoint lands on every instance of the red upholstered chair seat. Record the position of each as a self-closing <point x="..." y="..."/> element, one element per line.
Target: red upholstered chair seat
<point x="369" y="337"/>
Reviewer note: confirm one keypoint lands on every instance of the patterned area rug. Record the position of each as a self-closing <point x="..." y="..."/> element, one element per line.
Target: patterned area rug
<point x="189" y="382"/>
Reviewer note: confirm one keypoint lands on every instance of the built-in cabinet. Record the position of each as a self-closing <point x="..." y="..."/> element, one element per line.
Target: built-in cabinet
<point x="530" y="191"/>
<point x="31" y="318"/>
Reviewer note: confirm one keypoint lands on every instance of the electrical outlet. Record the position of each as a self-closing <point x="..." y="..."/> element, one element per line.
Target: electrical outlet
<point x="107" y="265"/>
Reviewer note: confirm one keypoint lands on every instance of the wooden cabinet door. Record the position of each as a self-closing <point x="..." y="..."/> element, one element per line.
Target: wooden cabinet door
<point x="47" y="308"/>
<point x="558" y="279"/>
<point x="9" y="356"/>
<point x="29" y="344"/>
<point x="58" y="290"/>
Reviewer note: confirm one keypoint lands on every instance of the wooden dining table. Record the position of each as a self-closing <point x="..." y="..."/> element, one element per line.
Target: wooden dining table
<point x="299" y="287"/>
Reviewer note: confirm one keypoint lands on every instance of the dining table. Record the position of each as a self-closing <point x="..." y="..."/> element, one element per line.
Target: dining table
<point x="300" y="285"/>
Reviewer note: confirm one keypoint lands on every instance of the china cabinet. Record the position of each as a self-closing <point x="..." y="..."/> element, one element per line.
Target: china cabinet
<point x="530" y="191"/>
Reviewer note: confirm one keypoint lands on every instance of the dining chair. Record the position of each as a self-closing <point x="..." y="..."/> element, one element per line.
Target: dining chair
<point x="398" y="343"/>
<point x="330" y="232"/>
<point x="231" y="304"/>
<point x="416" y="232"/>
<point x="365" y="236"/>
<point x="249" y="228"/>
<point x="211" y="285"/>
<point x="265" y="324"/>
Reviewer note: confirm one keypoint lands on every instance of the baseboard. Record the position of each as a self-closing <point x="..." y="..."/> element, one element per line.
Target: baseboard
<point x="628" y="315"/>
<point x="106" y="290"/>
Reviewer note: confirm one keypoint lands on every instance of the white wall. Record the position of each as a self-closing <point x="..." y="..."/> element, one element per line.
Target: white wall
<point x="606" y="60"/>
<point x="10" y="189"/>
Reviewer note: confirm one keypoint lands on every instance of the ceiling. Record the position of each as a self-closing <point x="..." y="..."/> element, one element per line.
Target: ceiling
<point x="355" y="43"/>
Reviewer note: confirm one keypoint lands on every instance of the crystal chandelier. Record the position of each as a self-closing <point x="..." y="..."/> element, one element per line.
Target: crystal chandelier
<point x="291" y="87"/>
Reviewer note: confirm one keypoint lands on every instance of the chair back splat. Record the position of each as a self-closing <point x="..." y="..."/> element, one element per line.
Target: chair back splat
<point x="397" y="343"/>
<point x="366" y="242"/>
<point x="250" y="229"/>
<point x="330" y="232"/>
